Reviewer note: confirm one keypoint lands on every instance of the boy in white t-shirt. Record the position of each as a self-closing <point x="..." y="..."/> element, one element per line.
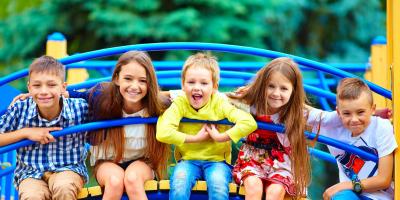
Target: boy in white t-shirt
<point x="354" y="124"/>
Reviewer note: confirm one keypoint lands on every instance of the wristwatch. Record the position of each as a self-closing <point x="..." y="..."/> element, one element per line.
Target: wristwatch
<point x="357" y="187"/>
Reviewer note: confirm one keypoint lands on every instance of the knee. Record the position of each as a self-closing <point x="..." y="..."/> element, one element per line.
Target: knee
<point x="218" y="186"/>
<point x="254" y="192"/>
<point x="33" y="189"/>
<point x="181" y="181"/>
<point x="180" y="176"/>
<point x="220" y="177"/>
<point x="115" y="183"/>
<point x="218" y="183"/>
<point x="133" y="181"/>
<point x="65" y="190"/>
<point x="37" y="195"/>
<point x="275" y="193"/>
<point x="253" y="188"/>
<point x="180" y="185"/>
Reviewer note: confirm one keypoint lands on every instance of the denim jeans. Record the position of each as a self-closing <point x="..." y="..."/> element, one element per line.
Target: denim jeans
<point x="217" y="175"/>
<point x="348" y="194"/>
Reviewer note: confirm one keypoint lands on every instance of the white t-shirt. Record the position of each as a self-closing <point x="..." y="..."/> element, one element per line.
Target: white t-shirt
<point x="378" y="138"/>
<point x="135" y="143"/>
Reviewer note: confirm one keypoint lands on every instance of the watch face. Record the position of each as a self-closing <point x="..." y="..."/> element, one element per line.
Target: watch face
<point x="357" y="187"/>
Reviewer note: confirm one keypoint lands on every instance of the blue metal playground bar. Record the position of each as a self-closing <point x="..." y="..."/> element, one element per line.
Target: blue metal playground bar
<point x="111" y="123"/>
<point x="137" y="120"/>
<point x="236" y="66"/>
<point x="228" y="78"/>
<point x="177" y="65"/>
<point x="218" y="47"/>
<point x="228" y="74"/>
<point x="207" y="46"/>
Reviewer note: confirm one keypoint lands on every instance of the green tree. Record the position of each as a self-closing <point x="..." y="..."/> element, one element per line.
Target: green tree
<point x="337" y="30"/>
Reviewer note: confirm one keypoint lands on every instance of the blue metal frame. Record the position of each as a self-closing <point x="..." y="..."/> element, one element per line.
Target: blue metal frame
<point x="138" y="120"/>
<point x="213" y="47"/>
<point x="224" y="65"/>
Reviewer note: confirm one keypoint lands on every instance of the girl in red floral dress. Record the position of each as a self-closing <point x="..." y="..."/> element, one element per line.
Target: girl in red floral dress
<point x="268" y="161"/>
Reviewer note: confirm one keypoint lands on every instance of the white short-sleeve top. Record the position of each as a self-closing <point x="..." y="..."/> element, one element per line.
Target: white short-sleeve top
<point x="135" y="142"/>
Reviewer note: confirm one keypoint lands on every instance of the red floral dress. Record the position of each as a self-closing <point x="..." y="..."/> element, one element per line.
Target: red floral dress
<point x="264" y="156"/>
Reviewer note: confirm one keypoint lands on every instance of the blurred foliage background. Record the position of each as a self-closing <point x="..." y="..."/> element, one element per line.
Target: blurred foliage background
<point x="323" y="30"/>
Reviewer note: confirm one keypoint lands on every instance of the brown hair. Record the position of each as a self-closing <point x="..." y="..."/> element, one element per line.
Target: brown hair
<point x="109" y="104"/>
<point x="204" y="60"/>
<point x="47" y="64"/>
<point x="291" y="114"/>
<point x="351" y="89"/>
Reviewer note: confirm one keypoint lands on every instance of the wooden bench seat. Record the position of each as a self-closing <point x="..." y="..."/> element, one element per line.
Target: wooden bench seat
<point x="162" y="188"/>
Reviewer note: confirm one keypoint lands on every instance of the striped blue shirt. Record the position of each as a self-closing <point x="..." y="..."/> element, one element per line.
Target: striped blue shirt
<point x="66" y="153"/>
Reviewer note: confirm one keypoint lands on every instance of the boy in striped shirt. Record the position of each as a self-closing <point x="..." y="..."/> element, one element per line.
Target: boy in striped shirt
<point x="52" y="168"/>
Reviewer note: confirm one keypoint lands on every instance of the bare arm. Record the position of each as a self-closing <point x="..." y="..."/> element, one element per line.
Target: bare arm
<point x="165" y="93"/>
<point x="41" y="135"/>
<point x="12" y="137"/>
<point x="381" y="181"/>
<point x="27" y="95"/>
<point x="384" y="113"/>
<point x="308" y="107"/>
<point x="384" y="177"/>
<point x="19" y="97"/>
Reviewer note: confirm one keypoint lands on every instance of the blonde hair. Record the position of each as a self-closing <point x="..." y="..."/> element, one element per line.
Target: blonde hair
<point x="351" y="89"/>
<point x="47" y="64"/>
<point x="291" y="114"/>
<point x="203" y="60"/>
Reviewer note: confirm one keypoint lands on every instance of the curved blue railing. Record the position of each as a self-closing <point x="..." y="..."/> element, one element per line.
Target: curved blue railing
<point x="177" y="65"/>
<point x="213" y="47"/>
<point x="138" y="120"/>
<point x="105" y="68"/>
<point x="224" y="65"/>
<point x="227" y="74"/>
<point x="320" y="154"/>
<point x="228" y="78"/>
<point x="13" y="76"/>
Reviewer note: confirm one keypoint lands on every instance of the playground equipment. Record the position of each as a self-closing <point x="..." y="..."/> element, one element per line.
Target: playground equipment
<point x="383" y="56"/>
<point x="157" y="190"/>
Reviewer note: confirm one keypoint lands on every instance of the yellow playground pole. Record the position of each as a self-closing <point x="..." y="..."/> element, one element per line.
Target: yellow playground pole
<point x="56" y="47"/>
<point x="393" y="49"/>
<point x="379" y="72"/>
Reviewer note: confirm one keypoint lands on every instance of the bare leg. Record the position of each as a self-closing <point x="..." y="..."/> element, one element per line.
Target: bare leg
<point x="136" y="175"/>
<point x="275" y="192"/>
<point x="254" y="187"/>
<point x="111" y="176"/>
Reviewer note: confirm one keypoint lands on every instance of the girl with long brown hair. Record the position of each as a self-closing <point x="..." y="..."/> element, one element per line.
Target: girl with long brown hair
<point x="125" y="157"/>
<point x="269" y="161"/>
